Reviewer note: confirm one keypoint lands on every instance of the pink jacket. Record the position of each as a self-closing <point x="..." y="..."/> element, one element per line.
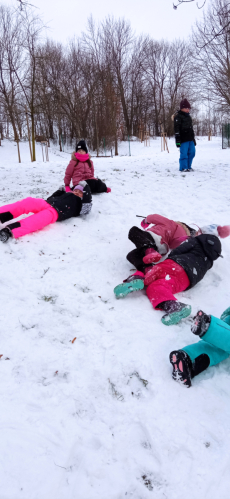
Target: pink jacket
<point x="172" y="233"/>
<point x="77" y="171"/>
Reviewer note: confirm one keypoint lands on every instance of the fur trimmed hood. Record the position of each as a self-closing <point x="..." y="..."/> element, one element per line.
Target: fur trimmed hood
<point x="73" y="156"/>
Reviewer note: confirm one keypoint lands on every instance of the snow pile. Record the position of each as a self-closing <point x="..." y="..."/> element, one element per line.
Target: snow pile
<point x="88" y="406"/>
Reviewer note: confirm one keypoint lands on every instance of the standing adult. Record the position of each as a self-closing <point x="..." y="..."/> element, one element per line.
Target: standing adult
<point x="184" y="135"/>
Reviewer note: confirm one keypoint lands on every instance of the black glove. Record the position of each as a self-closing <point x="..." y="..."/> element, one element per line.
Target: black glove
<point x="178" y="144"/>
<point x="194" y="142"/>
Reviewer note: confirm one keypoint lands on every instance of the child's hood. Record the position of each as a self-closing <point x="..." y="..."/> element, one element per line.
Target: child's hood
<point x="211" y="245"/>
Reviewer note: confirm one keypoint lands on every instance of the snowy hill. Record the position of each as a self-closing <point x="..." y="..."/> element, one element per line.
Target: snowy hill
<point x="100" y="417"/>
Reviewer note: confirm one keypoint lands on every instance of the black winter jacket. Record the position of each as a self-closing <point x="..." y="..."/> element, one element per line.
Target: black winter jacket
<point x="67" y="204"/>
<point x="183" y="127"/>
<point x="196" y="256"/>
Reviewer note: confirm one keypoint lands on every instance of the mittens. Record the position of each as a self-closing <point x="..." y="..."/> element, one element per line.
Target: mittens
<point x="144" y="224"/>
<point x="151" y="256"/>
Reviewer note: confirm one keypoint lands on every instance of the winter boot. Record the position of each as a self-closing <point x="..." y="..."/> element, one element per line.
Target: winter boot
<point x="151" y="256"/>
<point x="201" y="323"/>
<point x="5" y="234"/>
<point x="182" y="367"/>
<point x="133" y="283"/>
<point x="200" y="364"/>
<point x="5" y="217"/>
<point x="135" y="257"/>
<point x="141" y="238"/>
<point x="175" y="312"/>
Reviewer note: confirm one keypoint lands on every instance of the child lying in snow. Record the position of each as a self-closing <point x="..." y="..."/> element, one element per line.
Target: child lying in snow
<point x="212" y="349"/>
<point x="60" y="206"/>
<point x="183" y="269"/>
<point x="164" y="236"/>
<point x="80" y="168"/>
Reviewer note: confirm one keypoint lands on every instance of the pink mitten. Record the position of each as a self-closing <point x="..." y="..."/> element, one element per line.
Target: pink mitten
<point x="67" y="188"/>
<point x="144" y="224"/>
<point x="223" y="231"/>
<point x="151" y="256"/>
<point x="108" y="189"/>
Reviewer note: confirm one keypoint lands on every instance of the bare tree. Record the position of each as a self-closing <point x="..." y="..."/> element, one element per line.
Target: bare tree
<point x="26" y="73"/>
<point x="10" y="60"/>
<point x="213" y="54"/>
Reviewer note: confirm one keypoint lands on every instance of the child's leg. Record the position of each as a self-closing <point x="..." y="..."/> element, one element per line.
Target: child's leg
<point x="135" y="257"/>
<point x="218" y="335"/>
<point x="96" y="185"/>
<point x="23" y="207"/>
<point x="142" y="238"/>
<point x="225" y="316"/>
<point x="193" y="360"/>
<point x="183" y="161"/>
<point x="34" y="222"/>
<point x="215" y="354"/>
<point x="164" y="280"/>
<point x="191" y="153"/>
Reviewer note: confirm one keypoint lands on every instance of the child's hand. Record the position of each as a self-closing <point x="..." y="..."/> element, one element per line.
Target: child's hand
<point x="152" y="257"/>
<point x="144" y="224"/>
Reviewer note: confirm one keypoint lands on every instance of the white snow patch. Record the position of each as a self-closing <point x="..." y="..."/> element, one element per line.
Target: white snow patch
<point x="74" y="420"/>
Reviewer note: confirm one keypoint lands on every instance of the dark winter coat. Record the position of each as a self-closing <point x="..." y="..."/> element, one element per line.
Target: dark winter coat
<point x="183" y="127"/>
<point x="196" y="256"/>
<point x="67" y="204"/>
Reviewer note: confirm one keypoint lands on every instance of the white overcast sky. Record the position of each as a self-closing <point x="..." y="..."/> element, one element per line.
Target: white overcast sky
<point x="157" y="18"/>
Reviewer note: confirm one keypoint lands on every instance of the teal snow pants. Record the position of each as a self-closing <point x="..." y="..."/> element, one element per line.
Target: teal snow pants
<point x="216" y="341"/>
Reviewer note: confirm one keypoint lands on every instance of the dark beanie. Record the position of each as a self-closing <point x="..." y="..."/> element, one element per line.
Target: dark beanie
<point x="185" y="104"/>
<point x="81" y="145"/>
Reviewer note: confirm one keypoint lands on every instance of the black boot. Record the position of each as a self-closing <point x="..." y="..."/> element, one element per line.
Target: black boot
<point x="135" y="257"/>
<point x="200" y="364"/>
<point x="141" y="238"/>
<point x="182" y="367"/>
<point x="175" y="311"/>
<point x="5" y="234"/>
<point x="201" y="323"/>
<point x="5" y="217"/>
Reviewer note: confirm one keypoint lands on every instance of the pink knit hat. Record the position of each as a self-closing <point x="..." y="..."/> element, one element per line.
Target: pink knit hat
<point x="223" y="231"/>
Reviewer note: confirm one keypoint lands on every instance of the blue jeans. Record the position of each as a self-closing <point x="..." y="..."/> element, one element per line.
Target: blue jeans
<point x="187" y="153"/>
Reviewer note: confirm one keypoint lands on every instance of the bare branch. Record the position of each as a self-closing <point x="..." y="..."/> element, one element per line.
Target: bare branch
<point x="23" y="3"/>
<point x="189" y="1"/>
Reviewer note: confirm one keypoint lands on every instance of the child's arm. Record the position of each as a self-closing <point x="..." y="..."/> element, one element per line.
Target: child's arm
<point x="184" y="247"/>
<point x="157" y="219"/>
<point x="69" y="172"/>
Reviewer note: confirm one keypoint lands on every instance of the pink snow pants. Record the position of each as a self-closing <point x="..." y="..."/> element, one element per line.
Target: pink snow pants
<point x="164" y="280"/>
<point x="44" y="214"/>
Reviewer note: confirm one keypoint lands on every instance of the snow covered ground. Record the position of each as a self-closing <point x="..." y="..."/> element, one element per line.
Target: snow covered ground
<point x="100" y="417"/>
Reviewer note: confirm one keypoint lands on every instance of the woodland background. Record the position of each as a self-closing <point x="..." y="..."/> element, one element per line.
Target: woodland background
<point x="109" y="84"/>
